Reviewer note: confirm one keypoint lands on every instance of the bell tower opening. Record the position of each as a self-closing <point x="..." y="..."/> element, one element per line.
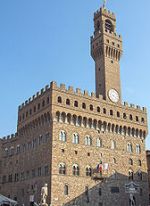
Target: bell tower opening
<point x="106" y="50"/>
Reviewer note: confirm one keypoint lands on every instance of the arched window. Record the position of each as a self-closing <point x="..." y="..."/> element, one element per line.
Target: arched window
<point x="88" y="140"/>
<point x="138" y="149"/>
<point x="62" y="136"/>
<point x="108" y="25"/>
<point x="59" y="100"/>
<point x="66" y="190"/>
<point x="98" y="142"/>
<point x="88" y="171"/>
<point x="98" y="109"/>
<point x="129" y="148"/>
<point x="91" y="107"/>
<point x="83" y="106"/>
<point x="76" y="103"/>
<point x="111" y="112"/>
<point x="113" y="144"/>
<point x="131" y="117"/>
<point x="131" y="175"/>
<point x="75" y="138"/>
<point x="76" y="170"/>
<point x="62" y="169"/>
<point x="124" y="116"/>
<point x="139" y="163"/>
<point x="47" y="100"/>
<point x="104" y="110"/>
<point x="130" y="162"/>
<point x="142" y="120"/>
<point x="118" y="114"/>
<point x="67" y="101"/>
<point x="114" y="161"/>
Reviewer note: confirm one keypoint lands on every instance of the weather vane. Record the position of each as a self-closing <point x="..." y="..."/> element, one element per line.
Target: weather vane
<point x="104" y="3"/>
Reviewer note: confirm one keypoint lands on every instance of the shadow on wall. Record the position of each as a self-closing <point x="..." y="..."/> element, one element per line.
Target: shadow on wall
<point x="111" y="191"/>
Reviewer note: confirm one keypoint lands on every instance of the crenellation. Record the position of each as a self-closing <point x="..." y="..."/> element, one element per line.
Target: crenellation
<point x="114" y="34"/>
<point x="93" y="95"/>
<point x="63" y="87"/>
<point x="71" y="89"/>
<point x="42" y="91"/>
<point x="8" y="137"/>
<point x="78" y="91"/>
<point x="46" y="87"/>
<point x="26" y="102"/>
<point x="37" y="94"/>
<point x="29" y="100"/>
<point x="86" y="93"/>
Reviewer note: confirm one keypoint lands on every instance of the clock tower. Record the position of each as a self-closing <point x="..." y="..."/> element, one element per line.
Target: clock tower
<point x="106" y="50"/>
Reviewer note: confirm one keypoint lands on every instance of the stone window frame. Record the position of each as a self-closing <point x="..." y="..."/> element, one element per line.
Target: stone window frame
<point x="75" y="138"/>
<point x="75" y="170"/>
<point x="88" y="140"/>
<point x="88" y="171"/>
<point x="62" y="168"/>
<point x="62" y="136"/>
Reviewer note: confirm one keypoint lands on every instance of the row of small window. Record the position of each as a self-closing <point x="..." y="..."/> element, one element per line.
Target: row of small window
<point x="27" y="146"/>
<point x="35" y="109"/>
<point x="104" y="111"/>
<point x="41" y="171"/>
<point x="88" y="171"/>
<point x="113" y="190"/>
<point x="99" y="143"/>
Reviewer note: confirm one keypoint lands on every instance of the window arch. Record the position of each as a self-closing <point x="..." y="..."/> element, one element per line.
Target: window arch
<point x="62" y="136"/>
<point x="83" y="105"/>
<point x="111" y="112"/>
<point x="91" y="107"/>
<point x="114" y="161"/>
<point x="88" y="140"/>
<point x="76" y="170"/>
<point x="98" y="109"/>
<point x="75" y="138"/>
<point x="66" y="190"/>
<point x="138" y="149"/>
<point x="118" y="114"/>
<point x="139" y="163"/>
<point x="76" y="103"/>
<point x="67" y="101"/>
<point x="109" y="25"/>
<point x="129" y="148"/>
<point x="62" y="169"/>
<point x="104" y="111"/>
<point x="142" y="120"/>
<point x="98" y="142"/>
<point x="59" y="99"/>
<point x="130" y="161"/>
<point x="88" y="171"/>
<point x="113" y="144"/>
<point x="131" y="117"/>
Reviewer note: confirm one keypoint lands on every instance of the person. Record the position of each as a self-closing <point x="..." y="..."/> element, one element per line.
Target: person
<point x="100" y="168"/>
<point x="44" y="194"/>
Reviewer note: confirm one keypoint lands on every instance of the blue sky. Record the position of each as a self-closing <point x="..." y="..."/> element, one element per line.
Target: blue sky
<point x="45" y="40"/>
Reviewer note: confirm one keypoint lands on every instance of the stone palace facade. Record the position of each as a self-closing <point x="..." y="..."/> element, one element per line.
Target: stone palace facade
<point x="65" y="135"/>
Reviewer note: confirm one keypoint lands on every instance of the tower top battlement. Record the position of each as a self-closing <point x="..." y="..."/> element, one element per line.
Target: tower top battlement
<point x="105" y="12"/>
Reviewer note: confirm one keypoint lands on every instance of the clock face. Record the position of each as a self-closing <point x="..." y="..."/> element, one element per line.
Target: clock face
<point x="113" y="95"/>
